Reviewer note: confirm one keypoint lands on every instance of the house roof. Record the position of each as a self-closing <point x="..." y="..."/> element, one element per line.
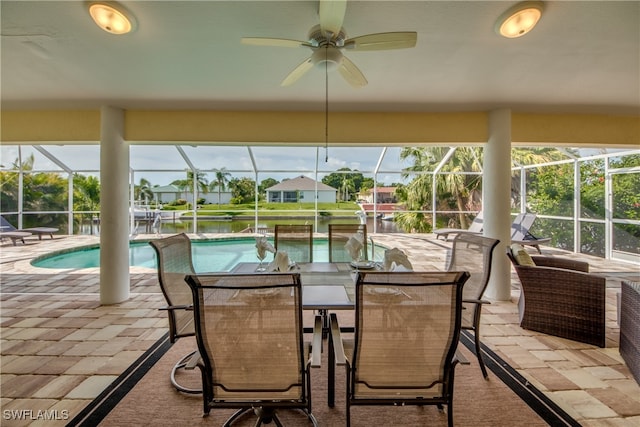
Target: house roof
<point x="301" y="183"/>
<point x="166" y="189"/>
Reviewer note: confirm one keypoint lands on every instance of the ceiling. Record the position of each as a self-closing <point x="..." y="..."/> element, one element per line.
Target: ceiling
<point x="583" y="57"/>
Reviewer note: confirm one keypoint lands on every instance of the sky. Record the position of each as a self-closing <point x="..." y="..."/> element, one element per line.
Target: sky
<point x="163" y="164"/>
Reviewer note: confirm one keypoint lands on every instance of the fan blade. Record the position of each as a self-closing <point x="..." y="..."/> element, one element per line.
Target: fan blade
<point x="297" y="72"/>
<point x="264" y="41"/>
<point x="352" y="73"/>
<point x="331" y="16"/>
<point x="383" y="41"/>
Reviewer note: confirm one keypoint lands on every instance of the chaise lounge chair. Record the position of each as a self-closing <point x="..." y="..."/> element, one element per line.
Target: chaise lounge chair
<point x="474" y="228"/>
<point x="521" y="235"/>
<point x="9" y="230"/>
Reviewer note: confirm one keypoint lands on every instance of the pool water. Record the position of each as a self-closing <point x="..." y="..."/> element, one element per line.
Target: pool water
<point x="208" y="255"/>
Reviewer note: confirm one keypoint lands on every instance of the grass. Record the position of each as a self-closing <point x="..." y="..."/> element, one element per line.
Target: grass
<point x="275" y="209"/>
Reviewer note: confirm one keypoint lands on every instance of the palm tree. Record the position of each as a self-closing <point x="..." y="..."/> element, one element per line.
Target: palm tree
<point x="347" y="186"/>
<point x="143" y="191"/>
<point x="221" y="180"/>
<point x="455" y="187"/>
<point x="182" y="184"/>
<point x="200" y="179"/>
<point x="86" y="196"/>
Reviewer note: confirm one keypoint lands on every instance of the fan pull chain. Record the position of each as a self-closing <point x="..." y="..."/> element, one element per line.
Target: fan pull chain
<point x="326" y="105"/>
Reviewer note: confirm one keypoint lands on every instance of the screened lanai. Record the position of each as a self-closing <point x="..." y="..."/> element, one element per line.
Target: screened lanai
<point x="586" y="199"/>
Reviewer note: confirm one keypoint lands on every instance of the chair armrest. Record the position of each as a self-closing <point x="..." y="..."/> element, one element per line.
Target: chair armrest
<point x="336" y="339"/>
<point x="476" y="301"/>
<point x="316" y="343"/>
<point x="177" y="307"/>
<point x="567" y="264"/>
<point x="459" y="358"/>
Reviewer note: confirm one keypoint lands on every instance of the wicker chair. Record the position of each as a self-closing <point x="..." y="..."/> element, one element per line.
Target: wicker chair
<point x="296" y="240"/>
<point x="630" y="326"/>
<point x="174" y="263"/>
<point x="250" y="336"/>
<point x="405" y="340"/>
<point x="560" y="297"/>
<point x="474" y="254"/>
<point x="339" y="234"/>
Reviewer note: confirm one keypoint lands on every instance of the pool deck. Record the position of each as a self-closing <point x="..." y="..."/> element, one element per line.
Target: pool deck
<point x="60" y="348"/>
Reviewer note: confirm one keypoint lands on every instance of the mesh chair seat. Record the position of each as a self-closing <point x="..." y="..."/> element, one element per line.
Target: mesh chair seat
<point x="404" y="345"/>
<point x="250" y="337"/>
<point x="174" y="262"/>
<point x="474" y="254"/>
<point x="296" y="240"/>
<point x="339" y="235"/>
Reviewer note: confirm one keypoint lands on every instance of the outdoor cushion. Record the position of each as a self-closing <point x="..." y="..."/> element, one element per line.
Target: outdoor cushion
<point x="521" y="255"/>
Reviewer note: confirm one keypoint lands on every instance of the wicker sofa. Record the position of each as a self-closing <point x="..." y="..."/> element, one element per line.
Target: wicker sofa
<point x="560" y="297"/>
<point x="630" y="326"/>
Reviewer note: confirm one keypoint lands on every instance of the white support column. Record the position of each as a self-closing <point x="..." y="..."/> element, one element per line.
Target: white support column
<point x="114" y="208"/>
<point x="496" y="200"/>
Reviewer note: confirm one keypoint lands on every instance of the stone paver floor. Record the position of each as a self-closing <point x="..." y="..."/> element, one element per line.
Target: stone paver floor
<point x="60" y="348"/>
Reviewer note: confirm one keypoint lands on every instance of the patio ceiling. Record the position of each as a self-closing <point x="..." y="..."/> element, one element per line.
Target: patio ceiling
<point x="584" y="57"/>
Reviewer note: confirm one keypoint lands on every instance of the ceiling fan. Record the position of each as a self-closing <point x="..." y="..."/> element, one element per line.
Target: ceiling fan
<point x="329" y="39"/>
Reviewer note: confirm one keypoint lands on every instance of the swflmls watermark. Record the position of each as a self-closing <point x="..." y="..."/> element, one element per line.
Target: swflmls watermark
<point x="31" y="415"/>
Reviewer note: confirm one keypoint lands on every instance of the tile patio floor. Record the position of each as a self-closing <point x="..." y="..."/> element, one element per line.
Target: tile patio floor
<point x="60" y="348"/>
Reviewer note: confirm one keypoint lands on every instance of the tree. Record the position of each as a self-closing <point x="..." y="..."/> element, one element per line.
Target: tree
<point x="142" y="191"/>
<point x="186" y="185"/>
<point x="337" y="180"/>
<point x="86" y="196"/>
<point x="183" y="185"/>
<point x="264" y="184"/>
<point x="243" y="190"/>
<point x="200" y="180"/>
<point x="456" y="188"/>
<point x="347" y="186"/>
<point x="221" y="180"/>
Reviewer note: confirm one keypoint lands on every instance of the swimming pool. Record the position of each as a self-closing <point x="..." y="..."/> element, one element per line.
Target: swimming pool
<point x="208" y="255"/>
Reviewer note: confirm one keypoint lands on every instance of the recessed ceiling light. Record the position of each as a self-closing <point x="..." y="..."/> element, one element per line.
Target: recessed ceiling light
<point x="519" y="19"/>
<point x="110" y="19"/>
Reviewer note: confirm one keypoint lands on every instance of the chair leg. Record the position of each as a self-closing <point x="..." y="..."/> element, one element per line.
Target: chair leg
<point x="182" y="363"/>
<point x="265" y="416"/>
<point x="479" y="353"/>
<point x="235" y="416"/>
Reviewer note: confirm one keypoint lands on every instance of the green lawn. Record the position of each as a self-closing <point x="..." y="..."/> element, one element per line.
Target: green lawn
<point x="274" y="209"/>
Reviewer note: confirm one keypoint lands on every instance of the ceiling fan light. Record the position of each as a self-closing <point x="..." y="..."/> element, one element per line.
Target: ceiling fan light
<point x="519" y="19"/>
<point x="330" y="56"/>
<point x="110" y="19"/>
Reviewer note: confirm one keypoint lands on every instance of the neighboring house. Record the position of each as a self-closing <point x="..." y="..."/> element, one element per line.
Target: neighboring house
<point x="384" y="195"/>
<point x="171" y="193"/>
<point x="166" y="193"/>
<point x="300" y="189"/>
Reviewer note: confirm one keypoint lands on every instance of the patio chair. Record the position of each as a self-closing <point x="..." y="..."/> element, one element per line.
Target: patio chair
<point x="174" y="263"/>
<point x="520" y="233"/>
<point x="250" y="336"/>
<point x="560" y="297"/>
<point x="339" y="235"/>
<point x="474" y="254"/>
<point x="14" y="236"/>
<point x="296" y="240"/>
<point x="474" y="228"/>
<point x="8" y="230"/>
<point x="405" y="340"/>
<point x="630" y="326"/>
